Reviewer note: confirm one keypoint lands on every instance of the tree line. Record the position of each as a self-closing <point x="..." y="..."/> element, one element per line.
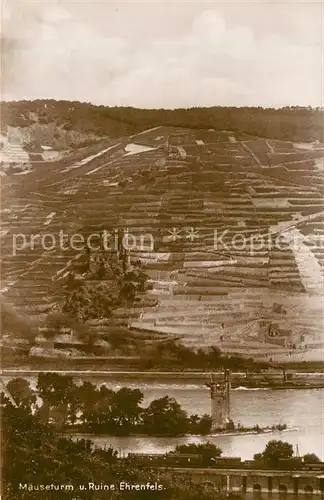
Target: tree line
<point x="173" y="355"/>
<point x="86" y="408"/>
<point x="289" y="123"/>
<point x="275" y="452"/>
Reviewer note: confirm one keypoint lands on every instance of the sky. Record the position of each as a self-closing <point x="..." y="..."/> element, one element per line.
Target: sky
<point x="172" y="53"/>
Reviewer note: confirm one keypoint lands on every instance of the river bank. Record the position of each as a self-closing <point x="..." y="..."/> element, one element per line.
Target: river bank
<point x="236" y="432"/>
<point x="265" y="380"/>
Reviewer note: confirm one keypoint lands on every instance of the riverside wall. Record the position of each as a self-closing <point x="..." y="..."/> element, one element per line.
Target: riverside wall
<point x="275" y="483"/>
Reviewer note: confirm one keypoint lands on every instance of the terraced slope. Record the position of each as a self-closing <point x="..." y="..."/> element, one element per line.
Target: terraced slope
<point x="230" y="232"/>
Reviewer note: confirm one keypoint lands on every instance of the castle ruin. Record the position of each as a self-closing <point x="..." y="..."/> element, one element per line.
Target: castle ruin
<point x="220" y="394"/>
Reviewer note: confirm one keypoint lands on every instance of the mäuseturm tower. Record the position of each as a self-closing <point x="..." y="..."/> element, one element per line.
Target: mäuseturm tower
<point x="220" y="394"/>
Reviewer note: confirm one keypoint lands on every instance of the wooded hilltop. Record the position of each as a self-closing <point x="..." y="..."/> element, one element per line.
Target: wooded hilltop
<point x="288" y="123"/>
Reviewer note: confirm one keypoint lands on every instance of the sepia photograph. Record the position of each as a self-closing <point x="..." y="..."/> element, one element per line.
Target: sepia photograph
<point x="162" y="250"/>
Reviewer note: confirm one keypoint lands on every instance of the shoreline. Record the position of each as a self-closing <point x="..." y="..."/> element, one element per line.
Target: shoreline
<point x="262" y="381"/>
<point x="249" y="432"/>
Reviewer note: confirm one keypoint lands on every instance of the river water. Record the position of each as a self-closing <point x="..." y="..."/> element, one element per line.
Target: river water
<point x="302" y="411"/>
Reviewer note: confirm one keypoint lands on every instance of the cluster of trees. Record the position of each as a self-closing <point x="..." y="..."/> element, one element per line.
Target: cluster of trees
<point x="93" y="290"/>
<point x="91" y="301"/>
<point x="289" y="123"/>
<point x="207" y="450"/>
<point x="108" y="283"/>
<point x="68" y="406"/>
<point x="274" y="452"/>
<point x="66" y="115"/>
<point x="34" y="453"/>
<point x="277" y="450"/>
<point x="172" y="354"/>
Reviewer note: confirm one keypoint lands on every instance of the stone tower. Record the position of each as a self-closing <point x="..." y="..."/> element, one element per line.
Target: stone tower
<point x="220" y="394"/>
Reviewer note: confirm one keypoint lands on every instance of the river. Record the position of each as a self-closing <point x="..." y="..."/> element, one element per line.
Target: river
<point x="302" y="410"/>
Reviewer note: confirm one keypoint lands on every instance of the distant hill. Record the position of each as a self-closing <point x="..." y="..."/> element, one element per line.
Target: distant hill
<point x="90" y="123"/>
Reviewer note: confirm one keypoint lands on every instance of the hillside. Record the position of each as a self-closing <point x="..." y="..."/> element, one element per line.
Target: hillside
<point x="291" y="123"/>
<point x="43" y="130"/>
<point x="176" y="190"/>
